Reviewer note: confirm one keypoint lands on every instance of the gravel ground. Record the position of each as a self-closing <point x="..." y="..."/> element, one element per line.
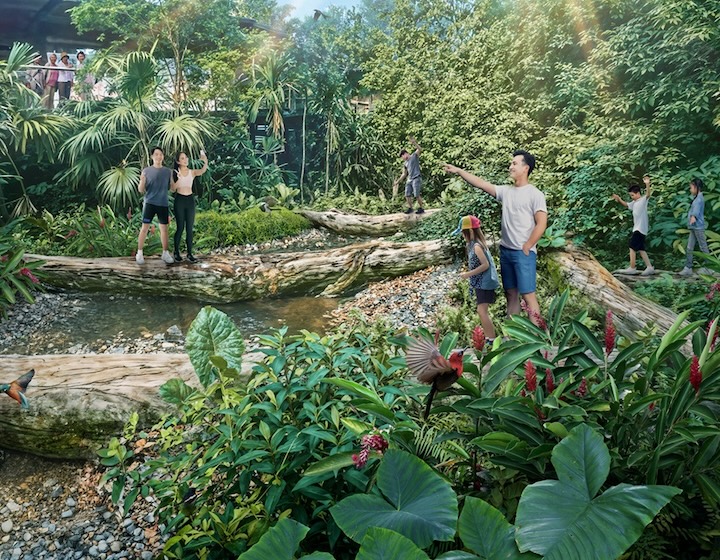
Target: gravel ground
<point x="58" y="510"/>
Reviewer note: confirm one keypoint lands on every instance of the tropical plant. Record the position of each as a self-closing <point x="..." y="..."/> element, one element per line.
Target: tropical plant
<point x="229" y="460"/>
<point x="17" y="276"/>
<point x="24" y="124"/>
<point x="111" y="143"/>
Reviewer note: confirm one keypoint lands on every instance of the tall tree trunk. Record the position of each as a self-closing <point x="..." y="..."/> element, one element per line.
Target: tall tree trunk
<point x="304" y="148"/>
<point x="327" y="159"/>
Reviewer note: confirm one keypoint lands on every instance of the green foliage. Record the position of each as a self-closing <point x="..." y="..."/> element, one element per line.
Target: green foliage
<point x="582" y="463"/>
<point x="673" y="294"/>
<point x="213" y="229"/>
<point x="16" y="275"/>
<point x="419" y="505"/>
<point x="229" y="460"/>
<point x="213" y="335"/>
<point x="94" y="233"/>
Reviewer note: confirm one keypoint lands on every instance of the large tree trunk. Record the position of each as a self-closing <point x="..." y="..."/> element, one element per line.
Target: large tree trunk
<point x="631" y="312"/>
<point x="223" y="279"/>
<point x="78" y="402"/>
<point x="361" y="225"/>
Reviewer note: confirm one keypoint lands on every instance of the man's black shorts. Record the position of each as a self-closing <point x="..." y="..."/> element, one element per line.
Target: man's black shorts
<point x="151" y="210"/>
<point x="637" y="241"/>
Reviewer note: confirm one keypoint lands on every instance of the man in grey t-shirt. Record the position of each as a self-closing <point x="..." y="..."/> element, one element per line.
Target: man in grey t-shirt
<point x="411" y="174"/>
<point x="524" y="220"/>
<point x="154" y="184"/>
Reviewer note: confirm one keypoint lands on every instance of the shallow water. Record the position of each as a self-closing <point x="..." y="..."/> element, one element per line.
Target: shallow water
<point x="87" y="318"/>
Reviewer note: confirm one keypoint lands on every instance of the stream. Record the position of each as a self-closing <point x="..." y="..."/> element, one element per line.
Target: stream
<point x="81" y="322"/>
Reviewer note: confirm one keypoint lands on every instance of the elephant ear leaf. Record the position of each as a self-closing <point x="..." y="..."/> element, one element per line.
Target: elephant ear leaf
<point x="213" y="333"/>
<point x="564" y="520"/>
<point x="279" y="543"/>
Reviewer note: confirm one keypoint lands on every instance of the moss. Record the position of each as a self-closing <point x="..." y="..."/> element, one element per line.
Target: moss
<point x="213" y="229"/>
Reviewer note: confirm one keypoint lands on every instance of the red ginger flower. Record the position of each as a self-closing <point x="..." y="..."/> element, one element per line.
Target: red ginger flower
<point x="582" y="388"/>
<point x="129" y="214"/>
<point x="535" y="317"/>
<point x="609" y="333"/>
<point x="549" y="381"/>
<point x="26" y="272"/>
<point x="71" y="233"/>
<point x="368" y="442"/>
<point x="714" y="288"/>
<point x="530" y="376"/>
<point x="478" y="338"/>
<point x="695" y="374"/>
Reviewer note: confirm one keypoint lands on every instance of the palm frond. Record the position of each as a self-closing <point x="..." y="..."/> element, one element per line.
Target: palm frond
<point x="184" y="133"/>
<point x="21" y="54"/>
<point x="118" y="186"/>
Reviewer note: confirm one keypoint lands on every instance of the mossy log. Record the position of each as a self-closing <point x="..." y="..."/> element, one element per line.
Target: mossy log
<point x="224" y="279"/>
<point x="368" y="226"/>
<point x="77" y="402"/>
<point x="631" y="312"/>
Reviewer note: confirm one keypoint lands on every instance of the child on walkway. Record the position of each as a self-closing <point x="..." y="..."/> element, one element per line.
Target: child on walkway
<point x="696" y="225"/>
<point x="638" y="207"/>
<point x="411" y="174"/>
<point x="481" y="272"/>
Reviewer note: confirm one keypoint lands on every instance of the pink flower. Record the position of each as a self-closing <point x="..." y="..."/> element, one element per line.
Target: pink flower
<point x="651" y="406"/>
<point x="609" y="333"/>
<point x="71" y="233"/>
<point x="535" y="317"/>
<point x="530" y="376"/>
<point x="695" y="374"/>
<point x="373" y="441"/>
<point x="26" y="272"/>
<point x="549" y="381"/>
<point x="714" y="288"/>
<point x="478" y="338"/>
<point x="102" y="223"/>
<point x="3" y="258"/>
<point x="582" y="388"/>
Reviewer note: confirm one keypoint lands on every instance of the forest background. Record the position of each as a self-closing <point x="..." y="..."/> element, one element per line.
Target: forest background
<point x="602" y="92"/>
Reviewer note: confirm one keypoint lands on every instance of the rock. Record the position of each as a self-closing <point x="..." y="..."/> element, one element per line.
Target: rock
<point x="70" y="502"/>
<point x="67" y="513"/>
<point x="7" y="526"/>
<point x="174" y="334"/>
<point x="13" y="507"/>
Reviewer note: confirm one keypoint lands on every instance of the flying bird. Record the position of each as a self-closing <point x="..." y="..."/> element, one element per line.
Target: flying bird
<point x="16" y="389"/>
<point x="427" y="363"/>
<point x="318" y="14"/>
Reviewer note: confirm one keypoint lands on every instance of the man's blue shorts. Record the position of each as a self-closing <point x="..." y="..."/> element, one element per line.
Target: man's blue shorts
<point x="518" y="270"/>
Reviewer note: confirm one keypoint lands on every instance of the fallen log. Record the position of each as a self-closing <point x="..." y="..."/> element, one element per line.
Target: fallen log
<point x="78" y="402"/>
<point x="222" y="279"/>
<point x="361" y="225"/>
<point x="631" y="312"/>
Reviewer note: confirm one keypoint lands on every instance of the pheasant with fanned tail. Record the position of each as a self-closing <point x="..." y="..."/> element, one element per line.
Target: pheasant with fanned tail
<point x="16" y="389"/>
<point x="425" y="361"/>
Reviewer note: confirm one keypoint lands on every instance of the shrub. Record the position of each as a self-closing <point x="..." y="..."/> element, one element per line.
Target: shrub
<point x="213" y="229"/>
<point x="16" y="275"/>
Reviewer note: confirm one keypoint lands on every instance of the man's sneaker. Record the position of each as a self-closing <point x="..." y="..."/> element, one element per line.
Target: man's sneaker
<point x="686" y="271"/>
<point x="139" y="257"/>
<point x="628" y="271"/>
<point x="420" y="211"/>
<point x="192" y="258"/>
<point x="409" y="211"/>
<point x="177" y="257"/>
<point x="167" y="257"/>
<point x="649" y="271"/>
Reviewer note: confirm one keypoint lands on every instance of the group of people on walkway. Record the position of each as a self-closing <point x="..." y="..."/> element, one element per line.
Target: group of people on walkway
<point x="156" y="181"/>
<point x="46" y="80"/>
<point x="523" y="223"/>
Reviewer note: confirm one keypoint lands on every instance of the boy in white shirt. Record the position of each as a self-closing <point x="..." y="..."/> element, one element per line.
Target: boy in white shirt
<point x="638" y="207"/>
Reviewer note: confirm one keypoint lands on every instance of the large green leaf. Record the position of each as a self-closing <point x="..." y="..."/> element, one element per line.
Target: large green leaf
<point x="384" y="544"/>
<point x="485" y="530"/>
<point x="279" y="543"/>
<point x="417" y="503"/>
<point x="562" y="520"/>
<point x="507" y="364"/>
<point x="175" y="391"/>
<point x="213" y="333"/>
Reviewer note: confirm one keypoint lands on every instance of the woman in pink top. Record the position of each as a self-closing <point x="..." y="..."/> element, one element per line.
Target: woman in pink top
<point x="181" y="184"/>
<point x="51" y="79"/>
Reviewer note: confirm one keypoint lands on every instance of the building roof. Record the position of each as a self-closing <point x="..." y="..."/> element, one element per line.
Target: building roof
<point x="43" y="23"/>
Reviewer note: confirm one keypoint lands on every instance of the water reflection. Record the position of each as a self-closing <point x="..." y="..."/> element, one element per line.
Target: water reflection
<point x="86" y="318"/>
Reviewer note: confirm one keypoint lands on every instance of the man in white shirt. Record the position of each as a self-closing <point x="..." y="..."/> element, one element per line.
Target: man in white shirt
<point x="524" y="220"/>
